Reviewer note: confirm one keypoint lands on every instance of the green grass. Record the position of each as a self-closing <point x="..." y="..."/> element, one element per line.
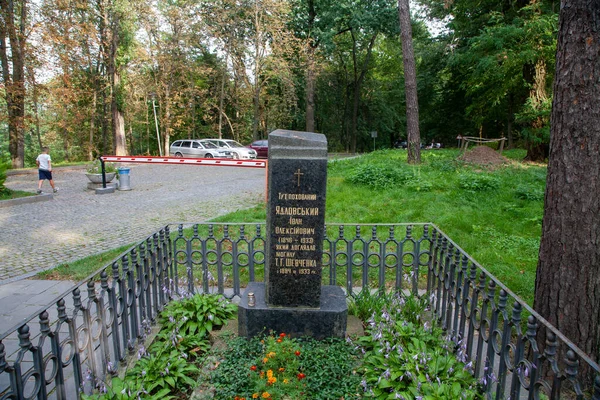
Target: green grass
<point x="8" y="194"/>
<point x="494" y="215"/>
<point x="81" y="269"/>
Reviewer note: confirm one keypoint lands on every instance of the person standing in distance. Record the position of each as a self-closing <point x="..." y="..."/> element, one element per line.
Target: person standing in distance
<point x="44" y="163"/>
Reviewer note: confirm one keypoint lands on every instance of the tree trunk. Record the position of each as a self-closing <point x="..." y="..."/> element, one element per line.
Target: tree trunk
<point x="119" y="144"/>
<point x="15" y="84"/>
<point x="410" y="83"/>
<point x="567" y="288"/>
<point x="310" y="89"/>
<point x="310" y="70"/>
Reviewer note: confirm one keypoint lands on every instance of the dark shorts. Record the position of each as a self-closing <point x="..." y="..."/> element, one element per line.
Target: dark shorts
<point x="45" y="174"/>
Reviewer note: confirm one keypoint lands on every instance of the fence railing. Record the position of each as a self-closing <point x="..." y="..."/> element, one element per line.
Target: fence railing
<point x="86" y="334"/>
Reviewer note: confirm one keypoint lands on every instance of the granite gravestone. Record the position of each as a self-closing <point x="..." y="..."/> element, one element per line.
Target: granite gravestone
<point x="291" y="299"/>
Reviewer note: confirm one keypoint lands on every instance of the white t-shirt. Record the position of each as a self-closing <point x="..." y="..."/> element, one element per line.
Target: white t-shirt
<point x="44" y="160"/>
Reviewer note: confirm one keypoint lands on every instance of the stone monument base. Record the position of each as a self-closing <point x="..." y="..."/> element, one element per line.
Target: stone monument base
<point x="329" y="320"/>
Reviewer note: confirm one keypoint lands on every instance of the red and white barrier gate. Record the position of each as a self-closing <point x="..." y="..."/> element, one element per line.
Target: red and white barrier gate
<point x="190" y="161"/>
<point x="223" y="162"/>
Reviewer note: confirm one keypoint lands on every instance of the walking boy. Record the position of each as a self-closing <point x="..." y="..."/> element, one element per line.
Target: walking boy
<point x="44" y="164"/>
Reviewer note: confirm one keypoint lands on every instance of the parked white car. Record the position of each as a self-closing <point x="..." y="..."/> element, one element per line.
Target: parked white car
<point x="196" y="148"/>
<point x="238" y="150"/>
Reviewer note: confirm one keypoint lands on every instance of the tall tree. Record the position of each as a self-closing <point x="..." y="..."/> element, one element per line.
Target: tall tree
<point x="567" y="289"/>
<point x="13" y="24"/>
<point x="410" y="81"/>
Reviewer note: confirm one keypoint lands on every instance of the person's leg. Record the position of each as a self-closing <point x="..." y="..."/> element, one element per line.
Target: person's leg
<point x="52" y="184"/>
<point x="39" y="190"/>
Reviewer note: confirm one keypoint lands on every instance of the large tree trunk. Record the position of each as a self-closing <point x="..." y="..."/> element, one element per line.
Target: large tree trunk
<point x="310" y="89"/>
<point x="310" y="70"/>
<point x="567" y="288"/>
<point x="359" y="77"/>
<point x="15" y="84"/>
<point x="410" y="82"/>
<point x="119" y="143"/>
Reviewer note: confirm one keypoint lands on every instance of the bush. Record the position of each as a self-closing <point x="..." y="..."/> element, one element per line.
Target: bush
<point x="379" y="176"/>
<point x="478" y="182"/>
<point x="526" y="192"/>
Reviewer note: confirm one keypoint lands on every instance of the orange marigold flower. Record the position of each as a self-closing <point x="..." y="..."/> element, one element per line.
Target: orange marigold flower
<point x="270" y="373"/>
<point x="301" y="376"/>
<point x="282" y="335"/>
<point x="271" y="380"/>
<point x="271" y="354"/>
<point x="253" y="368"/>
<point x="265" y="360"/>
<point x="266" y="395"/>
<point x="255" y="395"/>
<point x="262" y="374"/>
<point x="278" y="340"/>
<point x="286" y="381"/>
<point x="281" y="369"/>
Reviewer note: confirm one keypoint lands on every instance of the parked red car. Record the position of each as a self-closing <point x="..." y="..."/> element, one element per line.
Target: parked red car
<point x="261" y="147"/>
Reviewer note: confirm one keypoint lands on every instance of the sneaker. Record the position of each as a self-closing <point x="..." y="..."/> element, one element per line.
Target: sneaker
<point x="55" y="190"/>
<point x="39" y="191"/>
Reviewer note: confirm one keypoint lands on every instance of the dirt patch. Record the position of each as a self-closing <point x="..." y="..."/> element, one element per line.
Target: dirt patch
<point x="484" y="156"/>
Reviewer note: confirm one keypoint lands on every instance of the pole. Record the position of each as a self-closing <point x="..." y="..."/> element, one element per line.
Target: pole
<point x="156" y="124"/>
<point x="103" y="173"/>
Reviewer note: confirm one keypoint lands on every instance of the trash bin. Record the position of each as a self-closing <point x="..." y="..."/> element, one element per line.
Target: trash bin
<point x="124" y="179"/>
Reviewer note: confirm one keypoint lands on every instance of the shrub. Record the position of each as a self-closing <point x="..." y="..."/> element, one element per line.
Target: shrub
<point x="379" y="176"/>
<point x="4" y="165"/>
<point x="526" y="192"/>
<point x="477" y="182"/>
<point x="196" y="315"/>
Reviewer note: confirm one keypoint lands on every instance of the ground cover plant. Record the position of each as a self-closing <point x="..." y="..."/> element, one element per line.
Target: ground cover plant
<point x="169" y="368"/>
<point x="406" y="356"/>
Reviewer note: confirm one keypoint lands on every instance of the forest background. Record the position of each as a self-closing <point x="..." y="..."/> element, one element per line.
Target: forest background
<point x="92" y="75"/>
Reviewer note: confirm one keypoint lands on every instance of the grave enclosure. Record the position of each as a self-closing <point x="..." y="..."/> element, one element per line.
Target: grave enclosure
<point x="95" y="326"/>
<point x="291" y="299"/>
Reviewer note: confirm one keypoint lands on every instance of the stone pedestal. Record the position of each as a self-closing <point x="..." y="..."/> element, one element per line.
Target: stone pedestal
<point x="329" y="320"/>
<point x="94" y="186"/>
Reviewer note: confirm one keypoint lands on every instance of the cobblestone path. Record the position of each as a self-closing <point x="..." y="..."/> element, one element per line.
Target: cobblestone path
<point x="78" y="223"/>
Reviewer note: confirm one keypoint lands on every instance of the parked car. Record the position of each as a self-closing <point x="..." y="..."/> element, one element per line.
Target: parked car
<point x="238" y="151"/>
<point x="261" y="147"/>
<point x="196" y="148"/>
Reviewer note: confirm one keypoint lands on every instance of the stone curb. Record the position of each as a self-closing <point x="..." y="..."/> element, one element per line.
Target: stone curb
<point x="26" y="200"/>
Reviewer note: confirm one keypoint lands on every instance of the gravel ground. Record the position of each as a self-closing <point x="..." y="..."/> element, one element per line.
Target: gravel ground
<point x="77" y="222"/>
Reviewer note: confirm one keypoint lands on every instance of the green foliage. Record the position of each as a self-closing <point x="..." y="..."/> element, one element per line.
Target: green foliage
<point x="408" y="357"/>
<point x="478" y="182"/>
<point x="196" y="315"/>
<point x="3" y="167"/>
<point x="378" y="175"/>
<point x="96" y="167"/>
<point x="528" y="192"/>
<point x="327" y="368"/>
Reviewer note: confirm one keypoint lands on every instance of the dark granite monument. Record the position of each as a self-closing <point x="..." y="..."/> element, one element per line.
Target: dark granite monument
<point x="291" y="299"/>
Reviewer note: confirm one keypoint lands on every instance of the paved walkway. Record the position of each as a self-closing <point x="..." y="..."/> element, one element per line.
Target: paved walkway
<point x="77" y="222"/>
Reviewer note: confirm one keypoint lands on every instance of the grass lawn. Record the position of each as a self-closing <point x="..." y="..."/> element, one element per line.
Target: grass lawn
<point x="493" y="214"/>
<point x="8" y="194"/>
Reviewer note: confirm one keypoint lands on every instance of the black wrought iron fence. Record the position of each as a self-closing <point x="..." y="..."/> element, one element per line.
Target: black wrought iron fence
<point x="85" y="335"/>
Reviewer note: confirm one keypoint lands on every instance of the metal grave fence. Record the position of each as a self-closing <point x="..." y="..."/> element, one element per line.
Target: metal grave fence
<point x="87" y="333"/>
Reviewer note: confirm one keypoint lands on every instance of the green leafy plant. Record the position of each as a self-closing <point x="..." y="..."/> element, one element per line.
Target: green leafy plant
<point x="477" y="182"/>
<point x="196" y="315"/>
<point x="380" y="176"/>
<point x="96" y="167"/>
<point x="526" y="192"/>
<point x="328" y="367"/>
<point x="407" y="357"/>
